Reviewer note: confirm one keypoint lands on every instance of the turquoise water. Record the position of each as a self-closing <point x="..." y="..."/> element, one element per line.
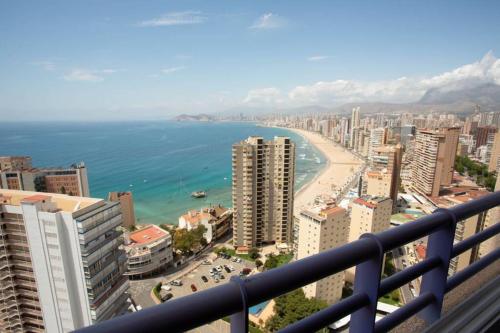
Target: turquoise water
<point x="160" y="162"/>
<point x="257" y="309"/>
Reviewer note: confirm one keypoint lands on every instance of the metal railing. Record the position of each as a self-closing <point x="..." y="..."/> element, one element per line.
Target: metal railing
<point x="234" y="298"/>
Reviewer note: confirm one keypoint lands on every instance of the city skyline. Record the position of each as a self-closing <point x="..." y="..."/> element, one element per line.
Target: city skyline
<point x="126" y="60"/>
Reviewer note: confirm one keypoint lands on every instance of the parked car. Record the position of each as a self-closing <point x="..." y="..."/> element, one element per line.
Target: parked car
<point x="221" y="276"/>
<point x="216" y="280"/>
<point x="206" y="262"/>
<point x="246" y="271"/>
<point x="166" y="287"/>
<point x="193" y="288"/>
<point x="166" y="297"/>
<point x="231" y="268"/>
<point x="219" y="269"/>
<point x="227" y="269"/>
<point x="176" y="283"/>
<point x="204" y="278"/>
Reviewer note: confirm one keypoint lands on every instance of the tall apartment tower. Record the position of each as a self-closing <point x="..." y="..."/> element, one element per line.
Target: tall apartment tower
<point x="17" y="173"/>
<point x="494" y="153"/>
<point x="263" y="181"/>
<point x="127" y="205"/>
<point x="434" y="159"/>
<point x="320" y="229"/>
<point x="369" y="214"/>
<point x="378" y="137"/>
<point x="384" y="177"/>
<point x="354" y="124"/>
<point x="60" y="263"/>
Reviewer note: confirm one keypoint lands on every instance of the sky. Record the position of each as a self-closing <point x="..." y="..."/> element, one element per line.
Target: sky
<point x="124" y="59"/>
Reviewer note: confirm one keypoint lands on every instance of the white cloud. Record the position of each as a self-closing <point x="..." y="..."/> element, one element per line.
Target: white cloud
<point x="171" y="70"/>
<point x="88" y="75"/>
<point x="268" y="21"/>
<point x="264" y="97"/>
<point x="404" y="89"/>
<point x="46" y="65"/>
<point x="318" y="58"/>
<point x="175" y="18"/>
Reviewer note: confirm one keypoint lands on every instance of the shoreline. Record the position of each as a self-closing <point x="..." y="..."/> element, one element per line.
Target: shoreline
<point x="332" y="176"/>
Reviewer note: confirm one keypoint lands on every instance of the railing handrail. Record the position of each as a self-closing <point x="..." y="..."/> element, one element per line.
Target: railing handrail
<point x="236" y="297"/>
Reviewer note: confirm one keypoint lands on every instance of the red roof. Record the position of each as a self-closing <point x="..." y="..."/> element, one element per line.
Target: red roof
<point x="146" y="235"/>
<point x="360" y="201"/>
<point x="421" y="249"/>
<point x="36" y="198"/>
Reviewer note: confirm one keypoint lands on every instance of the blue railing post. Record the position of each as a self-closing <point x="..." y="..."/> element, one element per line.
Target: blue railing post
<point x="439" y="245"/>
<point x="367" y="281"/>
<point x="239" y="320"/>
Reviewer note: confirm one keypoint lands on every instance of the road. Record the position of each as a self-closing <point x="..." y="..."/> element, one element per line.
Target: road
<point x="398" y="262"/>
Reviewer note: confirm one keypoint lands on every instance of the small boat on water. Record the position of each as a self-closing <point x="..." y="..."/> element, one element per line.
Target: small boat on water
<point x="199" y="194"/>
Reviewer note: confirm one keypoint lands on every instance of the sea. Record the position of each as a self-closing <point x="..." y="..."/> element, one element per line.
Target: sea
<point x="160" y="162"/>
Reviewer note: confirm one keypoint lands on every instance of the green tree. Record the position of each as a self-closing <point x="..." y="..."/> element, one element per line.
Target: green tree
<point x="63" y="190"/>
<point x="258" y="263"/>
<point x="254" y="253"/>
<point x="271" y="262"/>
<point x="292" y="307"/>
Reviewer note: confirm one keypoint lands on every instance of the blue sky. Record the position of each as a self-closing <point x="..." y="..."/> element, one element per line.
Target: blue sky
<point x="99" y="59"/>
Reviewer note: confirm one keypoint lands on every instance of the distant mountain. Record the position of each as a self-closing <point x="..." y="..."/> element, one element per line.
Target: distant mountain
<point x="486" y="95"/>
<point x="195" y="117"/>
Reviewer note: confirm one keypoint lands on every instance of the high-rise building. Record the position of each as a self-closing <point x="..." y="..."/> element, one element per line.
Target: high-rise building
<point x="127" y="203"/>
<point x="263" y="182"/>
<point x="434" y="159"/>
<point x="369" y="214"/>
<point x="494" y="153"/>
<point x="354" y="125"/>
<point x="320" y="229"/>
<point x="16" y="173"/>
<point x="482" y="135"/>
<point x="378" y="137"/>
<point x="385" y="166"/>
<point x="61" y="265"/>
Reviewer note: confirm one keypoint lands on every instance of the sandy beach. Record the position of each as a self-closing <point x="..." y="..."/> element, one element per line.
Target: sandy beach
<point x="341" y="164"/>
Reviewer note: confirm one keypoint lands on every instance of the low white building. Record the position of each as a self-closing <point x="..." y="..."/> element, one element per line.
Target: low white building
<point x="149" y="250"/>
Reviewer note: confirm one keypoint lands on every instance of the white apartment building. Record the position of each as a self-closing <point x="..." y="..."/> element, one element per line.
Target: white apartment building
<point x="62" y="262"/>
<point x="319" y="229"/>
<point x="149" y="250"/>
<point x="378" y="137"/>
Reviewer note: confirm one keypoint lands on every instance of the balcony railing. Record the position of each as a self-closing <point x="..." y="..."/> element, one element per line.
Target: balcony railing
<point x="234" y="298"/>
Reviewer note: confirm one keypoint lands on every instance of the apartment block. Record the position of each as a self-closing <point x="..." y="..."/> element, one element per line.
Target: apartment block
<point x="466" y="228"/>
<point x="434" y="159"/>
<point x="149" y="250"/>
<point x="126" y="201"/>
<point x="60" y="263"/>
<point x="369" y="214"/>
<point x="494" y="153"/>
<point x="378" y="137"/>
<point x="320" y="229"/>
<point x="385" y="172"/>
<point x="263" y="182"/>
<point x="216" y="219"/>
<point x="17" y="173"/>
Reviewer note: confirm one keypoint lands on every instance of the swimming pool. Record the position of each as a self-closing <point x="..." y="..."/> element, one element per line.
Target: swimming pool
<point x="257" y="309"/>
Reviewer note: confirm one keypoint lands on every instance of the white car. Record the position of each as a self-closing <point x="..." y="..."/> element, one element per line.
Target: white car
<point x="166" y="287"/>
<point x="231" y="268"/>
<point x="219" y="269"/>
<point x="238" y="260"/>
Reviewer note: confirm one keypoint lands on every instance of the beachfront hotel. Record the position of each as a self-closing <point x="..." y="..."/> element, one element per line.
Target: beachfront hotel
<point x="60" y="263"/>
<point x="320" y="229"/>
<point x="263" y="189"/>
<point x="17" y="173"/>
<point x="434" y="159"/>
<point x="149" y="250"/>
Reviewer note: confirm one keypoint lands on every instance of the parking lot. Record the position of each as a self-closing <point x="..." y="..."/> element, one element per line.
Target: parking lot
<point x="194" y="276"/>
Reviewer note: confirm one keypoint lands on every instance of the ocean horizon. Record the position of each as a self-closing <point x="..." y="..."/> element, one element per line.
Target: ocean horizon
<point x="161" y="163"/>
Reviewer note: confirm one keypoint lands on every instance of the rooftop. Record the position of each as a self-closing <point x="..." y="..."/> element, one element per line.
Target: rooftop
<point x="62" y="202"/>
<point x="148" y="234"/>
<point x="369" y="201"/>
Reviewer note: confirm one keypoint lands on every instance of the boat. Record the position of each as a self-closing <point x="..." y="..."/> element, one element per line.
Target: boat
<point x="199" y="194"/>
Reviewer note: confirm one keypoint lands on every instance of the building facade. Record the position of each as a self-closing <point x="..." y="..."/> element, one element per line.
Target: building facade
<point x="385" y="168"/>
<point x="378" y="137"/>
<point x="126" y="201"/>
<point x="320" y="229"/>
<point x="16" y="173"/>
<point x="263" y="188"/>
<point x="434" y="159"/>
<point x="149" y="250"/>
<point x="62" y="268"/>
<point x="216" y="219"/>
